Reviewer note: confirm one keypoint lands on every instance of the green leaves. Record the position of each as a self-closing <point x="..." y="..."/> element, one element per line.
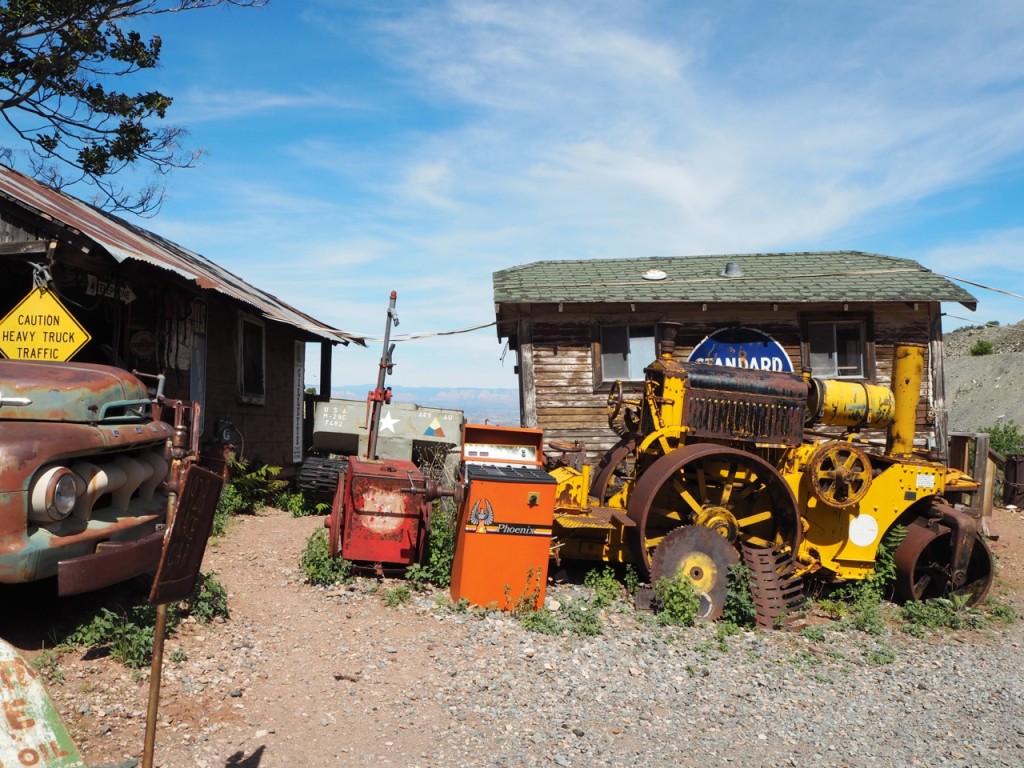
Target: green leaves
<point x="62" y="63"/>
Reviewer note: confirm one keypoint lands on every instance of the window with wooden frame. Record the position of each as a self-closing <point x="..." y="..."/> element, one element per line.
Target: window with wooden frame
<point x="625" y="350"/>
<point x="251" y="360"/>
<point x="838" y="349"/>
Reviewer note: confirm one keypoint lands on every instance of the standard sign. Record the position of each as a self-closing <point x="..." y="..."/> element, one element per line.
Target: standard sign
<point x="41" y="328"/>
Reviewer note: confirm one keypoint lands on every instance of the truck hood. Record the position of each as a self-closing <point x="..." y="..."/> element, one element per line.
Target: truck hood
<point x="70" y="392"/>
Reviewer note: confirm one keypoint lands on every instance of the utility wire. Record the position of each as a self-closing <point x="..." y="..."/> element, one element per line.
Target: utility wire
<point x="981" y="285"/>
<point x="432" y="334"/>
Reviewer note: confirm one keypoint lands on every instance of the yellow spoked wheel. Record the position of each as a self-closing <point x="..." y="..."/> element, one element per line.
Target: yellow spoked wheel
<point x="839" y="474"/>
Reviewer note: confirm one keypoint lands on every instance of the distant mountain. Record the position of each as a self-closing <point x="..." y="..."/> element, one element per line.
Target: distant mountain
<point x="490" y="406"/>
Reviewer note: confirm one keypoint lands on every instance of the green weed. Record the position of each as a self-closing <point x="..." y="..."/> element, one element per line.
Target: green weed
<point x="441" y="545"/>
<point x="739" y="608"/>
<point x="605" y="586"/>
<point x="724" y="630"/>
<point x="126" y="635"/>
<point x="943" y="613"/>
<point x="982" y="347"/>
<point x="209" y="602"/>
<point x="47" y="663"/>
<point x="631" y="579"/>
<point x="296" y="504"/>
<point x="677" y="602"/>
<point x="317" y="564"/>
<point x="582" y="618"/>
<point x="542" y="620"/>
<point x="445" y="604"/>
<point x="813" y="633"/>
<point x="879" y="657"/>
<point x="418" y="576"/>
<point x="397" y="596"/>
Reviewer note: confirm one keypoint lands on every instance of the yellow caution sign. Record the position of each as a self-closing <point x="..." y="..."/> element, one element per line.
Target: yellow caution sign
<point x="41" y="328"/>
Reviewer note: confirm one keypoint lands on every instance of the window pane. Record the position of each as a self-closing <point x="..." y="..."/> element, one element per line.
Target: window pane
<point x="614" y="353"/>
<point x="850" y="350"/>
<point x="641" y="350"/>
<point x="821" y="340"/>
<point x="836" y="349"/>
<point x="252" y="359"/>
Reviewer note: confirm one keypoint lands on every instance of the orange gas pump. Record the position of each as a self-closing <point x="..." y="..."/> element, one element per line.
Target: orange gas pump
<point x="505" y="517"/>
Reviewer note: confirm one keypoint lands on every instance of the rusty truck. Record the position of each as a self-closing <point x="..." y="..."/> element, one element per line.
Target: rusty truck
<point x="89" y="460"/>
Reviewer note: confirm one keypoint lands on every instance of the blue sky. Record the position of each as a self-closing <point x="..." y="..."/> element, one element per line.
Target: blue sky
<point x="359" y="147"/>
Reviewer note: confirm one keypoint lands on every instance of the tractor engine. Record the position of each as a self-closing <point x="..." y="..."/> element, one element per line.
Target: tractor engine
<point x="794" y="476"/>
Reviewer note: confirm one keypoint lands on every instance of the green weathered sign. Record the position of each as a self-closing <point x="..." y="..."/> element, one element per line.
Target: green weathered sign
<point x="31" y="731"/>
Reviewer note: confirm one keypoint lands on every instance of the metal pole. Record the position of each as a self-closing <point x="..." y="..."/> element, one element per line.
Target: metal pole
<point x="157" y="664"/>
<point x="377" y="396"/>
<point x="155" y="670"/>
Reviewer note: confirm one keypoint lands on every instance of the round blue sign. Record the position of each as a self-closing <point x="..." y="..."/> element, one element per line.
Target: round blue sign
<point x="742" y="348"/>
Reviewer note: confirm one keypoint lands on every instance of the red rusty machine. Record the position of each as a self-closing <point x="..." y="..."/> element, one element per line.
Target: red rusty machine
<point x="381" y="510"/>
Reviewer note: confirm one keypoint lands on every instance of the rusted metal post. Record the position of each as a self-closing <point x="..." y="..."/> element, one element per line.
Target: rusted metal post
<point x="155" y="672"/>
<point x="381" y="395"/>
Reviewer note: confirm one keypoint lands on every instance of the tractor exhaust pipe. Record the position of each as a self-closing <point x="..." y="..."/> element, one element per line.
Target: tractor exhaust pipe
<point x="907" y="371"/>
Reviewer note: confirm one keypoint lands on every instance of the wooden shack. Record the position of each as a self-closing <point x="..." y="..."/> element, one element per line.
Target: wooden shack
<point x="578" y="326"/>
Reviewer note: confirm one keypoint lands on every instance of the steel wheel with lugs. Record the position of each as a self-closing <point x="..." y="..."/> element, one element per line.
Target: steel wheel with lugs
<point x="736" y="494"/>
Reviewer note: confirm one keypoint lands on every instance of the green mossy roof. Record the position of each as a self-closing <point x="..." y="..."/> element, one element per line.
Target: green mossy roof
<point x="824" y="276"/>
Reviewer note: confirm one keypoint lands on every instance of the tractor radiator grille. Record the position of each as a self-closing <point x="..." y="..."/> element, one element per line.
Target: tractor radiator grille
<point x="747" y="418"/>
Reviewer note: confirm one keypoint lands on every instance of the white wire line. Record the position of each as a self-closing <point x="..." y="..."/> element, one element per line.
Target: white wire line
<point x="981" y="285"/>
<point x="431" y="334"/>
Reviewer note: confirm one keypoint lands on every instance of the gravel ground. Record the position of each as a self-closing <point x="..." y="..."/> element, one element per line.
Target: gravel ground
<point x="304" y="676"/>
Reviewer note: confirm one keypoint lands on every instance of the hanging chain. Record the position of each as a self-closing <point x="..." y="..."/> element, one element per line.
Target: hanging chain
<point x="41" y="277"/>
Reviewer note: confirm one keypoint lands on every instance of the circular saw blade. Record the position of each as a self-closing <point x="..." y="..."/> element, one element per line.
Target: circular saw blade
<point x="701" y="555"/>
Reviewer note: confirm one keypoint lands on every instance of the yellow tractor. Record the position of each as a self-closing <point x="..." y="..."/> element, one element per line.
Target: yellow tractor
<point x="796" y="477"/>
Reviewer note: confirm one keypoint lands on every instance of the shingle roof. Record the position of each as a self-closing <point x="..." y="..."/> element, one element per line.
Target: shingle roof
<point x="823" y="276"/>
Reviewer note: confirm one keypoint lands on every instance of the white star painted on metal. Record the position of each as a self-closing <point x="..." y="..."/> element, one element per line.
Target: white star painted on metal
<point x="388" y="423"/>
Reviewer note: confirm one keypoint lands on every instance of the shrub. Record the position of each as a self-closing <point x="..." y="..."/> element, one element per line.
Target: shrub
<point x="441" y="544"/>
<point x="541" y="620"/>
<point x="1005" y="438"/>
<point x="604" y="584"/>
<point x="256" y="488"/>
<point x="210" y="600"/>
<point x="982" y="347"/>
<point x="677" y="602"/>
<point x="739" y="606"/>
<point x="296" y="504"/>
<point x="317" y="564"/>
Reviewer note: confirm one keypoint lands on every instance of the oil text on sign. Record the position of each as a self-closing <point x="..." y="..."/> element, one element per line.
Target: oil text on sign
<point x="31" y="732"/>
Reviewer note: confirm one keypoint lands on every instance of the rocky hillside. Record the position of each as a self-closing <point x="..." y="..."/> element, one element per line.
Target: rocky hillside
<point x="984" y="390"/>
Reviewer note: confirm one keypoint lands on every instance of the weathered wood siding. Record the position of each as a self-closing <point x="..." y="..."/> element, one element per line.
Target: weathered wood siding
<point x="569" y="401"/>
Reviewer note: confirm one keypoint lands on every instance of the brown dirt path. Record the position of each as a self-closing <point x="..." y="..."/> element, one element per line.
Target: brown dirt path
<point x="303" y="676"/>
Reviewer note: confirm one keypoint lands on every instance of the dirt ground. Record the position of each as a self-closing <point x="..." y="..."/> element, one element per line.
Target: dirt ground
<point x="298" y="675"/>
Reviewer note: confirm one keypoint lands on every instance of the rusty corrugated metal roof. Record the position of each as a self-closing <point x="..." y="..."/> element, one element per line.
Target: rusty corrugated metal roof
<point x="124" y="241"/>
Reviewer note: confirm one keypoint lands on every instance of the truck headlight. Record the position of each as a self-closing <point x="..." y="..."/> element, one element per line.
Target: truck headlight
<point x="53" y="495"/>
